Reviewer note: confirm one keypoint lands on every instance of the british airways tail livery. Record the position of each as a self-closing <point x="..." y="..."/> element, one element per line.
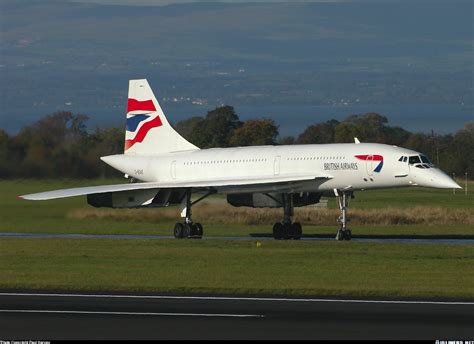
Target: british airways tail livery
<point x="170" y="169"/>
<point x="148" y="131"/>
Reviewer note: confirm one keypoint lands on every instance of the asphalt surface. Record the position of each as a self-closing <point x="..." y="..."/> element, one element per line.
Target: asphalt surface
<point x="61" y="316"/>
<point x="403" y="239"/>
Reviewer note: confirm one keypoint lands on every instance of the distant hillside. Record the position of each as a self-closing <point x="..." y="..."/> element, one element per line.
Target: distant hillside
<point x="78" y="56"/>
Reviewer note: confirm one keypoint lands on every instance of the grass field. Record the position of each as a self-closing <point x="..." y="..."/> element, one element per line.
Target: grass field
<point x="324" y="268"/>
<point x="215" y="266"/>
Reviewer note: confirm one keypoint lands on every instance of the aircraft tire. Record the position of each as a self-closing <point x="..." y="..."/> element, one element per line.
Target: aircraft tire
<point x="344" y="235"/>
<point x="348" y="235"/>
<point x="188" y="230"/>
<point x="198" y="231"/>
<point x="297" y="230"/>
<point x="287" y="231"/>
<point x="278" y="231"/>
<point x="178" y="230"/>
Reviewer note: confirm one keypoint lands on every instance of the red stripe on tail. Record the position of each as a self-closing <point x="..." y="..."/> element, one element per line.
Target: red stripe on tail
<point x="136" y="105"/>
<point x="144" y="129"/>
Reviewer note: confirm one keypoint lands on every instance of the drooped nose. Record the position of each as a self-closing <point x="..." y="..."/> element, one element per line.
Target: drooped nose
<point x="435" y="178"/>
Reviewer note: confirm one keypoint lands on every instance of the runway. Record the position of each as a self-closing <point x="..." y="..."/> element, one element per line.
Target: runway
<point x="75" y="316"/>
<point x="403" y="239"/>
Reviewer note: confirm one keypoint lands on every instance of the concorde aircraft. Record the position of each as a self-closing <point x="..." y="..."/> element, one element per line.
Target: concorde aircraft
<point x="166" y="169"/>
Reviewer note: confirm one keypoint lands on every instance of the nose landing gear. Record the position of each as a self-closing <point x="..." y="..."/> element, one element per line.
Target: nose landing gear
<point x="188" y="230"/>
<point x="343" y="199"/>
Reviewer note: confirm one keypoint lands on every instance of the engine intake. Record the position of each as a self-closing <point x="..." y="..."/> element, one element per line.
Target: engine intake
<point x="271" y="200"/>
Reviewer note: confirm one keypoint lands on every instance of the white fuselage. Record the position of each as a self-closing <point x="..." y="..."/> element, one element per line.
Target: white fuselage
<point x="339" y="161"/>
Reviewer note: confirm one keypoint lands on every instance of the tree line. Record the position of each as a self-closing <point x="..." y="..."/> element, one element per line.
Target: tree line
<point x="59" y="145"/>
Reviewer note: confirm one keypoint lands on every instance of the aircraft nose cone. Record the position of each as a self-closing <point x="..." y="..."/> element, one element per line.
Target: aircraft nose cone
<point x="440" y="180"/>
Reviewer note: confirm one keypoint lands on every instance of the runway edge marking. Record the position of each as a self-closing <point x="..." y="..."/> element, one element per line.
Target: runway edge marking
<point x="217" y="315"/>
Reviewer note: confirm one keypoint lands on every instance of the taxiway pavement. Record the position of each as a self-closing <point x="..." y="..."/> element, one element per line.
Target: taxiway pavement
<point x="85" y="316"/>
<point x="400" y="239"/>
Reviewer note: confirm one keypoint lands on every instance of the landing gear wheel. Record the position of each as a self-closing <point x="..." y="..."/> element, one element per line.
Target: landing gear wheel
<point x="343" y="199"/>
<point x="198" y="231"/>
<point x="179" y="230"/>
<point x="287" y="231"/>
<point x="278" y="231"/>
<point x="297" y="231"/>
<point x="188" y="229"/>
<point x="348" y="234"/>
<point x="344" y="234"/>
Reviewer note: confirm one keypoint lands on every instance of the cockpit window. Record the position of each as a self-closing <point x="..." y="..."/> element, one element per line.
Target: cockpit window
<point x="425" y="159"/>
<point x="414" y="159"/>
<point x="403" y="159"/>
<point x="420" y="161"/>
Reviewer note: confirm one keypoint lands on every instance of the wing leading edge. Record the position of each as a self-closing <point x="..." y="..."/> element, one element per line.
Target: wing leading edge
<point x="216" y="183"/>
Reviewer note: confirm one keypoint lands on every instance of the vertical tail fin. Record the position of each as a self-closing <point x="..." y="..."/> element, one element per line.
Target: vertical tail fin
<point x="148" y="132"/>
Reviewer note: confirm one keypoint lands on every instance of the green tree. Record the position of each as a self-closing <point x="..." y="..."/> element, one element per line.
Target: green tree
<point x="394" y="135"/>
<point x="6" y="163"/>
<point x="462" y="151"/>
<point x="286" y="140"/>
<point x="215" y="130"/>
<point x="318" y="133"/>
<point x="219" y="125"/>
<point x="101" y="142"/>
<point x="255" y="133"/>
<point x="417" y="142"/>
<point x="368" y="127"/>
<point x="191" y="129"/>
<point x="59" y="145"/>
<point x="345" y="132"/>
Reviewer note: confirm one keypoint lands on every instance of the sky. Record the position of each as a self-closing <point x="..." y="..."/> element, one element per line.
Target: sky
<point x="169" y="2"/>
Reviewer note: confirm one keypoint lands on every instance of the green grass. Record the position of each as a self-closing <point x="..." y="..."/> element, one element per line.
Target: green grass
<point x="410" y="197"/>
<point x="324" y="268"/>
<point x="52" y="216"/>
<point x="215" y="266"/>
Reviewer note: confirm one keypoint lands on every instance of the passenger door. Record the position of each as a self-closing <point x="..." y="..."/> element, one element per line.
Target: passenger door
<point x="276" y="165"/>
<point x="173" y="170"/>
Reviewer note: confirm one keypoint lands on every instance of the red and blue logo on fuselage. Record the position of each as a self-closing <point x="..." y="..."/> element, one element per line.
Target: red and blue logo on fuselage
<point x="372" y="157"/>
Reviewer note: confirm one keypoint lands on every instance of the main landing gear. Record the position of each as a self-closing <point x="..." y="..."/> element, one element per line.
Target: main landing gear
<point x="188" y="229"/>
<point x="343" y="199"/>
<point x="286" y="229"/>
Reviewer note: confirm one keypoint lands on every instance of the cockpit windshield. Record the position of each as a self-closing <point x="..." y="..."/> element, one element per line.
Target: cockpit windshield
<point x="425" y="160"/>
<point x="420" y="161"/>
<point x="414" y="159"/>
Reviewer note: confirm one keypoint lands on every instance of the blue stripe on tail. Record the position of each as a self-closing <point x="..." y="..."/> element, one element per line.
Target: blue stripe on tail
<point x="133" y="122"/>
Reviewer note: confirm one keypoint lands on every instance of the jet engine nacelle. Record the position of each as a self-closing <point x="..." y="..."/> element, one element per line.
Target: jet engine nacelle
<point x="271" y="200"/>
